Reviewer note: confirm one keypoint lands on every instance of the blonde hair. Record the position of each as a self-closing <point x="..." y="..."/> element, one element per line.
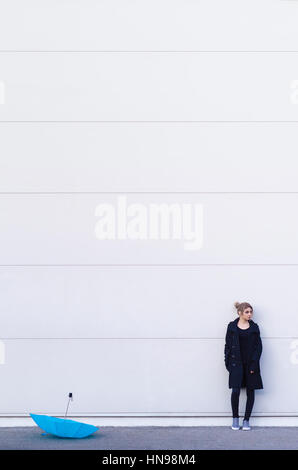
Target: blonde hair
<point x="241" y="306"/>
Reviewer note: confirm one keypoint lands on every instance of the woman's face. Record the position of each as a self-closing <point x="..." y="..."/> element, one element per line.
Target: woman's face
<point x="246" y="314"/>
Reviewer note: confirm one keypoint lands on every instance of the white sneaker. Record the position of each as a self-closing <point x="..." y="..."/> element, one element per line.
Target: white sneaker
<point x="235" y="425"/>
<point x="246" y="426"/>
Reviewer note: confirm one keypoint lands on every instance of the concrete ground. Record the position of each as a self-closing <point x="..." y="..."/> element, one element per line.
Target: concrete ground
<point x="154" y="438"/>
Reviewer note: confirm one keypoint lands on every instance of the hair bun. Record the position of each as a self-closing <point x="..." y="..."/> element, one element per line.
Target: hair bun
<point x="241" y="306"/>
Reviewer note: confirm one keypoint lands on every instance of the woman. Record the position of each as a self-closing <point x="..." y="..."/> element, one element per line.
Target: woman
<point x="243" y="349"/>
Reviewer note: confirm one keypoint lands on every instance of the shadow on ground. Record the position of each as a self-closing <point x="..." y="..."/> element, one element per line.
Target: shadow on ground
<point x="154" y="438"/>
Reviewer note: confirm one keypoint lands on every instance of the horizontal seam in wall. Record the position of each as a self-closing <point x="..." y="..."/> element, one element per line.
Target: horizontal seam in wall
<point x="135" y="338"/>
<point x="144" y="265"/>
<point x="111" y="123"/>
<point x="147" y="51"/>
<point x="163" y="414"/>
<point x="146" y="121"/>
<point x="143" y="192"/>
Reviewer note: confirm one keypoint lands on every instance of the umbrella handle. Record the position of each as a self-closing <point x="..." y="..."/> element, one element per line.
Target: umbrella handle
<point x="70" y="397"/>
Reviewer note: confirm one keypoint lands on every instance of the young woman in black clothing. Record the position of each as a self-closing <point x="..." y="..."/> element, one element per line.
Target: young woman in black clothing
<point x="243" y="349"/>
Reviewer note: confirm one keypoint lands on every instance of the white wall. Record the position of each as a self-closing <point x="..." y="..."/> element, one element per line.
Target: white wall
<point x="179" y="101"/>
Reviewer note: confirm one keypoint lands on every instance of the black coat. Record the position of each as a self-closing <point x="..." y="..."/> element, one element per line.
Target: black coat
<point x="238" y="377"/>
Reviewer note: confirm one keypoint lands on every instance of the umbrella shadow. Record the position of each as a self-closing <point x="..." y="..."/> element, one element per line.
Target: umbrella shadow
<point x="51" y="437"/>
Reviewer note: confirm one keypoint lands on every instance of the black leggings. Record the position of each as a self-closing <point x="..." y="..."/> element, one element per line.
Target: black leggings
<point x="249" y="402"/>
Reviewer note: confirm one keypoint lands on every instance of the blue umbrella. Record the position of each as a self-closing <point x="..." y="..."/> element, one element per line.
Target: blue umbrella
<point x="63" y="427"/>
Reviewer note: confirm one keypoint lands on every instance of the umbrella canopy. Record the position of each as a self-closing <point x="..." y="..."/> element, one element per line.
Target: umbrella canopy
<point x="63" y="427"/>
